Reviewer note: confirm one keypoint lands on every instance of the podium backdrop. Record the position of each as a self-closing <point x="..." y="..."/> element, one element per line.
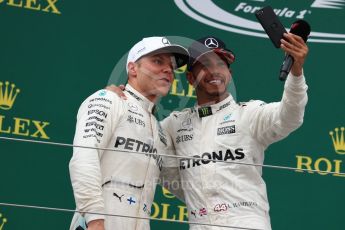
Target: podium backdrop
<point x="54" y="53"/>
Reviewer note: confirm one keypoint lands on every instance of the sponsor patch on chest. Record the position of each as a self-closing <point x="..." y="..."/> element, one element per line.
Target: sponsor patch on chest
<point x="184" y="138"/>
<point x="226" y="130"/>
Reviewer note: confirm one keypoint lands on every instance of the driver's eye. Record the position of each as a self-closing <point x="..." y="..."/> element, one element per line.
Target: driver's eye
<point x="157" y="61"/>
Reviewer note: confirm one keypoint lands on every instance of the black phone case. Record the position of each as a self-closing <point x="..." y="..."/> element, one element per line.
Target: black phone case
<point x="271" y="24"/>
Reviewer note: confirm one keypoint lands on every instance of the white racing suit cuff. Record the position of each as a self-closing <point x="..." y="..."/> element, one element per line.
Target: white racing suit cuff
<point x="296" y="79"/>
<point x="296" y="84"/>
<point x="91" y="217"/>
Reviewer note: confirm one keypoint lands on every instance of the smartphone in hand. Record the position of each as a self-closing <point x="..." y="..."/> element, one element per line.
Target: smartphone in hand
<point x="271" y="24"/>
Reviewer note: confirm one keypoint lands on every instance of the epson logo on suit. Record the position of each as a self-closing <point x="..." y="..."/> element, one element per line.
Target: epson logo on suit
<point x="226" y="130"/>
<point x="97" y="111"/>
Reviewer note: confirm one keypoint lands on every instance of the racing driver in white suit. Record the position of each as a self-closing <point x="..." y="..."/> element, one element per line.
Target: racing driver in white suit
<point x="218" y="128"/>
<point x="119" y="182"/>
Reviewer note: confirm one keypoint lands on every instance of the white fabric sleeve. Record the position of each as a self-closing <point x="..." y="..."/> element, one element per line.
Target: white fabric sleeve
<point x="96" y="120"/>
<point x="274" y="121"/>
<point x="170" y="174"/>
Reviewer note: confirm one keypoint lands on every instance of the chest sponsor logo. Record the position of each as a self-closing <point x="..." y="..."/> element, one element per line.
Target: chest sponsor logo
<point x="226" y="130"/>
<point x="138" y="146"/>
<point x="134" y="120"/>
<point x="184" y="138"/>
<point x="205" y="111"/>
<point x="132" y="106"/>
<point x="206" y="158"/>
<point x="186" y="125"/>
<point x="138" y="114"/>
<point x="228" y="118"/>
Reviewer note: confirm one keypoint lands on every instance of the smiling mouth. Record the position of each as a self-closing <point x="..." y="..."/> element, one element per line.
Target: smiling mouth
<point x="215" y="82"/>
<point x="165" y="80"/>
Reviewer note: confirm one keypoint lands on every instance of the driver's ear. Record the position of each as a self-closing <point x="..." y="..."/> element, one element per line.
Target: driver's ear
<point x="132" y="70"/>
<point x="190" y="78"/>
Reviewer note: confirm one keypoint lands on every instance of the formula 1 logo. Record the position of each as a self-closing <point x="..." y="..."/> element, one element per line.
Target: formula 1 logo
<point x="238" y="16"/>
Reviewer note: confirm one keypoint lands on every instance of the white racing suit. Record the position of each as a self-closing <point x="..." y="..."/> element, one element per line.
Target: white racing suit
<point x="116" y="182"/>
<point x="225" y="193"/>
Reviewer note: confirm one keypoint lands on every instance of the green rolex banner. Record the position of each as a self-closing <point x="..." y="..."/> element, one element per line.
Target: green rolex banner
<point x="54" y="54"/>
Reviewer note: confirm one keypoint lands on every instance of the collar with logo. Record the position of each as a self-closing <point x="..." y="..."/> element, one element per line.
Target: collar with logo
<point x="205" y="111"/>
<point x="143" y="101"/>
